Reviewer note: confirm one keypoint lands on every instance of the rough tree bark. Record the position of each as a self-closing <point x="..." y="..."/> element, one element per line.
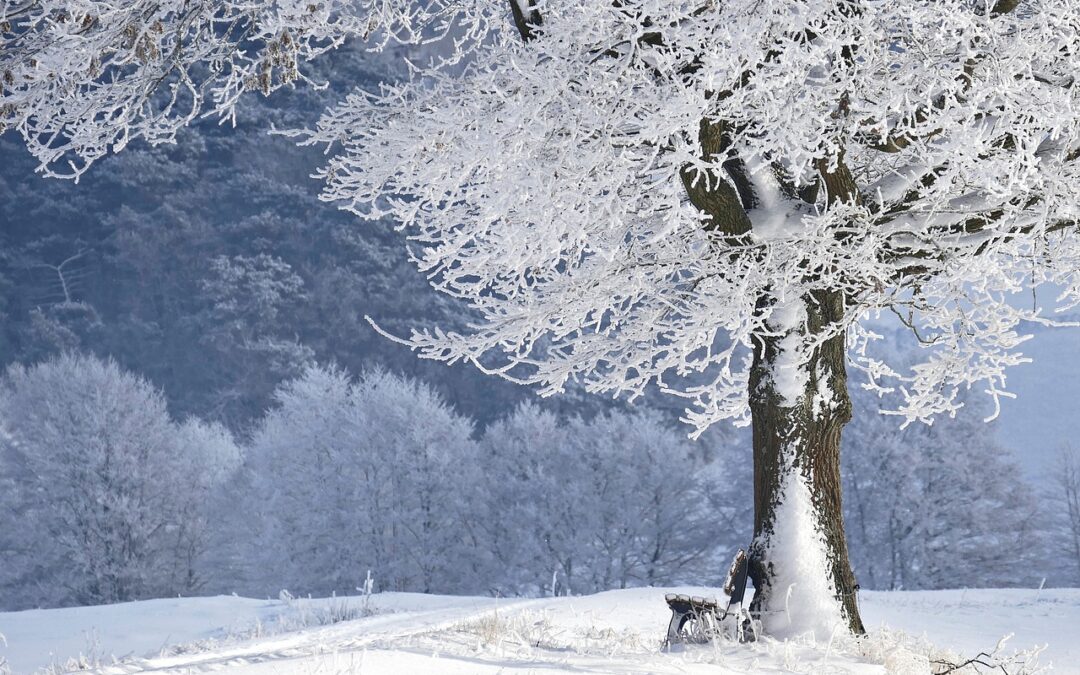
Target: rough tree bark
<point x="804" y="438"/>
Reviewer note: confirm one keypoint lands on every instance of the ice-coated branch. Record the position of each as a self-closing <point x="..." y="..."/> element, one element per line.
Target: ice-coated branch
<point x="81" y="78"/>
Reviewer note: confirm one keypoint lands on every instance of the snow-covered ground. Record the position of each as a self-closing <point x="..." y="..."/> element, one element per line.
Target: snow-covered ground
<point x="613" y="632"/>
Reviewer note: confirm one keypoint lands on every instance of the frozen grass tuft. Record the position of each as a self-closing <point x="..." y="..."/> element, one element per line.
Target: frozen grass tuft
<point x="92" y="659"/>
<point x="518" y="630"/>
<point x="297" y="614"/>
<point x="524" y="631"/>
<point x="904" y="654"/>
<point x="306" y="613"/>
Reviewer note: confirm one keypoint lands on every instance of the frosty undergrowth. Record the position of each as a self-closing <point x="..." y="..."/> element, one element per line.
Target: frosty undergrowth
<point x="532" y="634"/>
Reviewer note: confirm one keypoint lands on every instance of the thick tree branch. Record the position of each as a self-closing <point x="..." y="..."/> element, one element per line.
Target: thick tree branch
<point x="712" y="193"/>
<point x="526" y="17"/>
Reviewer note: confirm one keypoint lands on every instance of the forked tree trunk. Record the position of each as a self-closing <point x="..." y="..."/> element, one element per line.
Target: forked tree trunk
<point x="796" y="443"/>
<point x="797" y="447"/>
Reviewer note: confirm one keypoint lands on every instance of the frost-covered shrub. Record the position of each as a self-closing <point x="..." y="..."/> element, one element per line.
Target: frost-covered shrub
<point x="104" y="497"/>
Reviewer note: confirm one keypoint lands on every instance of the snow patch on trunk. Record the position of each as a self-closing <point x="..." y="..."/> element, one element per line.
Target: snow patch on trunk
<point x="823" y="396"/>
<point x="803" y="598"/>
<point x="789" y="372"/>
<point x="774" y="215"/>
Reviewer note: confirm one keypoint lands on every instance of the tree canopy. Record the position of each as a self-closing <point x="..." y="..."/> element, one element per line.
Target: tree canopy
<point x="659" y="179"/>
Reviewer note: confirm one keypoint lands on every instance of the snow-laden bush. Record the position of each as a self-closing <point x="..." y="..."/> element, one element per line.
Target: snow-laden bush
<point x="105" y="498"/>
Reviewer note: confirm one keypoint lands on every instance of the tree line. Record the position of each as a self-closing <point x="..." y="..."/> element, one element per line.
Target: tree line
<point x="112" y="499"/>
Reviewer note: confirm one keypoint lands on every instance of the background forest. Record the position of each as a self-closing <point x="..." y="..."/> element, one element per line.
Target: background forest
<point x="193" y="403"/>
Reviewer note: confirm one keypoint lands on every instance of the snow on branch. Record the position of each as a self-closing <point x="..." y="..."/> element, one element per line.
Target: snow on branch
<point x="81" y="78"/>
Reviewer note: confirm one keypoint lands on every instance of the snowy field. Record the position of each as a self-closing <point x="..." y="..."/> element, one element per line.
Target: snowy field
<point x="613" y="632"/>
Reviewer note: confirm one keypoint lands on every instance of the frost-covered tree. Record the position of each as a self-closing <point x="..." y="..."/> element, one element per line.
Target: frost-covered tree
<point x="1064" y="514"/>
<point x="578" y="506"/>
<point x="105" y="498"/>
<point x="713" y="196"/>
<point x="939" y="506"/>
<point x="542" y="520"/>
<point x="655" y="506"/>
<point x="246" y="296"/>
<point x="208" y="459"/>
<point x="349" y="476"/>
<point x="708" y="196"/>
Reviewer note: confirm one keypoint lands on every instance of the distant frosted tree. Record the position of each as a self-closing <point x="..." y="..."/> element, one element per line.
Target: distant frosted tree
<point x="366" y="474"/>
<point x="541" y="518"/>
<point x="105" y="495"/>
<point x="611" y="502"/>
<point x="938" y="506"/>
<point x="245" y="297"/>
<point x="655" y="521"/>
<point x="1063" y="506"/>
<point x="208" y="459"/>
<point x="16" y="554"/>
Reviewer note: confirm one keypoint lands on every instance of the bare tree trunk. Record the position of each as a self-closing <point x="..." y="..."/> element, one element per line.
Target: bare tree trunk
<point x="801" y="439"/>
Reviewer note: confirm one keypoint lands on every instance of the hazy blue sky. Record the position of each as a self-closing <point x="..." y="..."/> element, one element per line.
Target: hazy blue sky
<point x="1046" y="412"/>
